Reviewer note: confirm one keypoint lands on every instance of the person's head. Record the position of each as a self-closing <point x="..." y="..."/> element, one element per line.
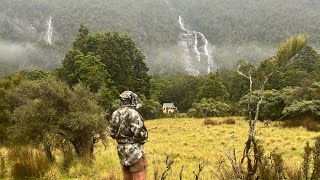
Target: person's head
<point x="129" y="99"/>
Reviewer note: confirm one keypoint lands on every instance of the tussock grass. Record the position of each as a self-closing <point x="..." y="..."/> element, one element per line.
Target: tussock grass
<point x="189" y="142"/>
<point x="28" y="163"/>
<point x="3" y="164"/>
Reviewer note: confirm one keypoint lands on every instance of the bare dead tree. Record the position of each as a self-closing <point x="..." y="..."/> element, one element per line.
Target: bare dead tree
<point x="249" y="77"/>
<point x="287" y="51"/>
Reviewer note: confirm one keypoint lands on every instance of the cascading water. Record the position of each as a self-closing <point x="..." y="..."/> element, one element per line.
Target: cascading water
<point x="186" y="37"/>
<point x="208" y="50"/>
<point x="189" y="40"/>
<point x="49" y="33"/>
<point x="195" y="46"/>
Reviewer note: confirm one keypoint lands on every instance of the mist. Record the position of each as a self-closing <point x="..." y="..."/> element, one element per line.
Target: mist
<point x="25" y="55"/>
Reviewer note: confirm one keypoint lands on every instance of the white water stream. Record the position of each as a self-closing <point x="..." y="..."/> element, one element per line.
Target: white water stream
<point x="49" y="32"/>
<point x="189" y="39"/>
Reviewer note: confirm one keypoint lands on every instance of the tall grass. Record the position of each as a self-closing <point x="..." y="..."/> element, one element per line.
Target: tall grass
<point x="186" y="140"/>
<point x="2" y="166"/>
<point x="28" y="163"/>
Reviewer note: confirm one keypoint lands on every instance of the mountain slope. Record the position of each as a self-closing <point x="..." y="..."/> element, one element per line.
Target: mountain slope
<point x="238" y="29"/>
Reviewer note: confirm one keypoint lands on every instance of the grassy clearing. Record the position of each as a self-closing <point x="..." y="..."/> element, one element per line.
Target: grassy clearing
<point x="190" y="142"/>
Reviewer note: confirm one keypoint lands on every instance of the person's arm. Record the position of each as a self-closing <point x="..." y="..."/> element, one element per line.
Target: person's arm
<point x="140" y="133"/>
<point x="113" y="126"/>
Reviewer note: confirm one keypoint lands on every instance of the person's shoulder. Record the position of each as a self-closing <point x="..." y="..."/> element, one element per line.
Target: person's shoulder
<point x="132" y="111"/>
<point x="116" y="112"/>
<point x="134" y="114"/>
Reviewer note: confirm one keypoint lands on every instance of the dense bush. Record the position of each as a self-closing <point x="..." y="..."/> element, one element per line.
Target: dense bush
<point x="48" y="112"/>
<point x="304" y="108"/>
<point x="208" y="108"/>
<point x="272" y="104"/>
<point x="151" y="109"/>
<point x="210" y="122"/>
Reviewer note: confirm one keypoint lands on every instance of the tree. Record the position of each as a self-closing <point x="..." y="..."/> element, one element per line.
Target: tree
<point x="287" y="51"/>
<point x="303" y="108"/>
<point x="150" y="109"/>
<point x="180" y="89"/>
<point x="48" y="112"/>
<point x="208" y="108"/>
<point x="213" y="88"/>
<point x="37" y="74"/>
<point x="271" y="106"/>
<point x="122" y="59"/>
<point x="300" y="71"/>
<point x="5" y="115"/>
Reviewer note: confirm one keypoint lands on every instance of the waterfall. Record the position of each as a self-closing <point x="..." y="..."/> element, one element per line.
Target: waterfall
<point x="208" y="50"/>
<point x="49" y="33"/>
<point x="190" y="43"/>
<point x="186" y="37"/>
<point x="195" y="46"/>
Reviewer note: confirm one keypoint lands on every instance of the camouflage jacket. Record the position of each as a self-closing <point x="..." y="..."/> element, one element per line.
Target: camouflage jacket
<point x="127" y="127"/>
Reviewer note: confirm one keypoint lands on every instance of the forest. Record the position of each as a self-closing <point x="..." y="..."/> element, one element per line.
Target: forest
<point x="238" y="29"/>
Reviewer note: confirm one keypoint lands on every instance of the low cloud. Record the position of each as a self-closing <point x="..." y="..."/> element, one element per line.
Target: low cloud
<point x="26" y="56"/>
<point x="20" y="54"/>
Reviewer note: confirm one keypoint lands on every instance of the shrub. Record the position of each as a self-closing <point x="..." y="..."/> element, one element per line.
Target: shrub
<point x="316" y="160"/>
<point x="306" y="122"/>
<point x="210" y="122"/>
<point x="309" y="162"/>
<point x="311" y="125"/>
<point x="28" y="163"/>
<point x="68" y="158"/>
<point x="306" y="160"/>
<point x="302" y="108"/>
<point x="151" y="109"/>
<point x="271" y="107"/>
<point x="208" y="108"/>
<point x="229" y="120"/>
<point x="48" y="111"/>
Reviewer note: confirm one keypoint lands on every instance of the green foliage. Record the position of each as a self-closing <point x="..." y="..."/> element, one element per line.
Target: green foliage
<point x="237" y="86"/>
<point x="304" y="108"/>
<point x="208" y="108"/>
<point x="179" y="89"/>
<point x="271" y="167"/>
<point x="311" y="163"/>
<point x="289" y="49"/>
<point x="301" y="71"/>
<point x="48" y="111"/>
<point x="96" y="56"/>
<point x="37" y="75"/>
<point x="314" y="91"/>
<point x="5" y="115"/>
<point x="88" y="70"/>
<point x="151" y="109"/>
<point x="213" y="88"/>
<point x="271" y="107"/>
